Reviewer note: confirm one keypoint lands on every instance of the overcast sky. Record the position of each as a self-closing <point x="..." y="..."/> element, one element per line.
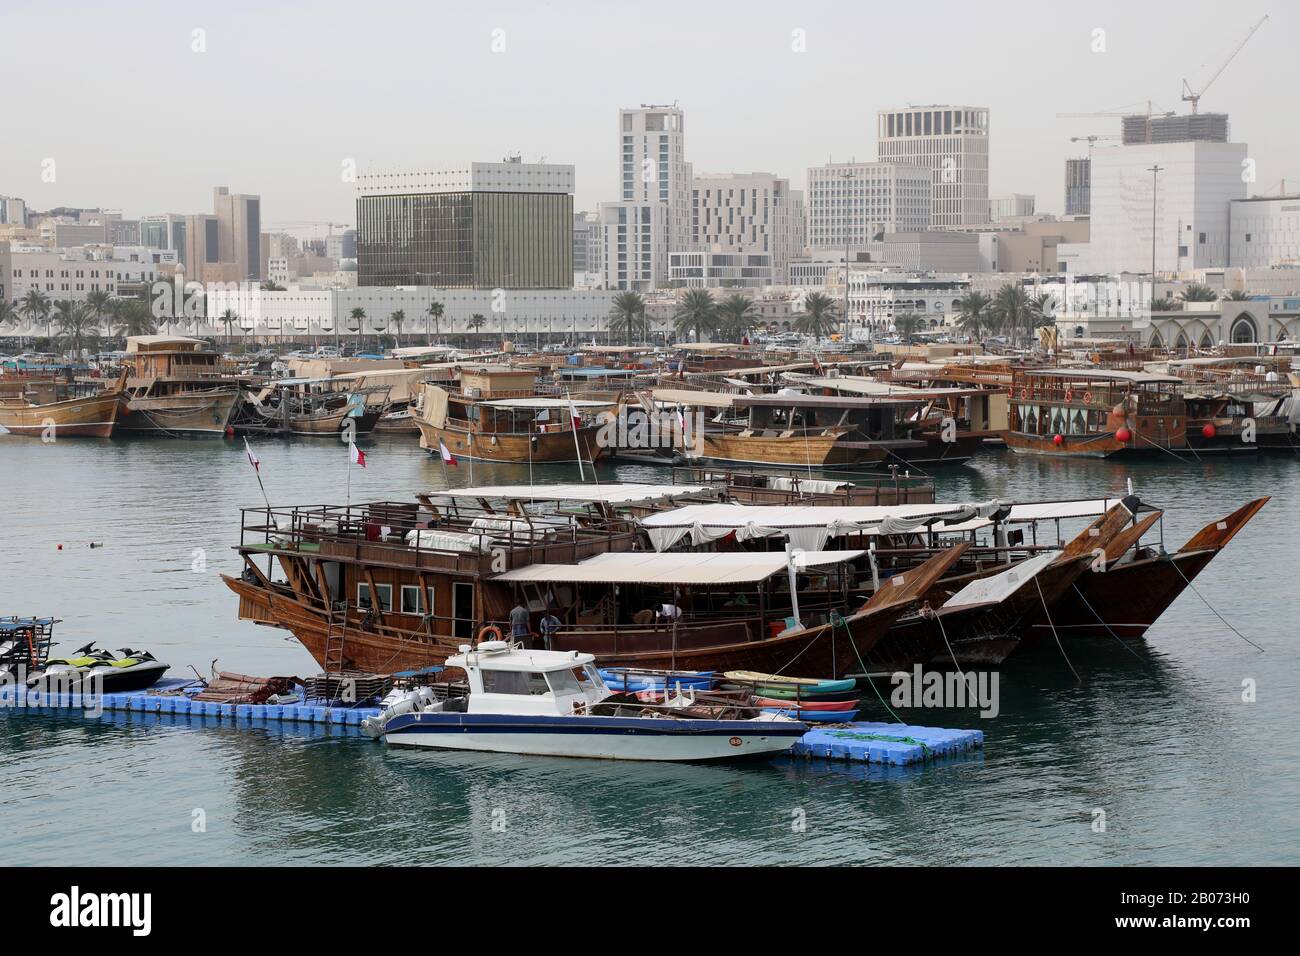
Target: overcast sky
<point x="286" y="93"/>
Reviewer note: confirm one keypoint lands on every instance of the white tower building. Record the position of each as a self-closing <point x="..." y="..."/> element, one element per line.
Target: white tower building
<point x="953" y="143"/>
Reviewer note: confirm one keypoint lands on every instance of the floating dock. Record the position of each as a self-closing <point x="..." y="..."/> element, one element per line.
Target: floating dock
<point x="859" y="742"/>
<point x="895" y="744"/>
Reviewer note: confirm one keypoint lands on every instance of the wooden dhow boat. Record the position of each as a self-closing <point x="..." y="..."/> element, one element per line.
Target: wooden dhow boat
<point x="60" y="410"/>
<point x="532" y="429"/>
<point x="176" y="386"/>
<point x="1096" y="413"/>
<point x="1126" y="594"/>
<point x="393" y="586"/>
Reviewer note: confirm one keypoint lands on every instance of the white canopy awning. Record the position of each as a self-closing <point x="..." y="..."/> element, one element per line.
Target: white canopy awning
<point x="642" y="567"/>
<point x="808" y="526"/>
<point x="1041" y="511"/>
<point x="998" y="587"/>
<point x="545" y="403"/>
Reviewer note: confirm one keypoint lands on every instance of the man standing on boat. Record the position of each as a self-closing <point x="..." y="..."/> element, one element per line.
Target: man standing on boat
<point x="520" y="624"/>
<point x="550" y="624"/>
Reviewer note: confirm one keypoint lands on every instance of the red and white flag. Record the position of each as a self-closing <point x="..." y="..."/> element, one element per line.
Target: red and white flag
<point x="573" y="414"/>
<point x="357" y="456"/>
<point x="253" y="459"/>
<point x="447" y="457"/>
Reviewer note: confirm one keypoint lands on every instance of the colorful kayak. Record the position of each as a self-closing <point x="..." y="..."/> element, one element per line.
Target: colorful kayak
<point x="621" y="681"/>
<point x="803" y="693"/>
<point x="814" y="716"/>
<point x="805" y="685"/>
<point x="822" y="705"/>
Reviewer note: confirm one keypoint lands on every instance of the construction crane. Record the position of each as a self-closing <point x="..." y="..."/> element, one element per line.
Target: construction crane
<point x="1150" y="112"/>
<point x="1193" y="97"/>
<point x="307" y="224"/>
<point x="1090" y="140"/>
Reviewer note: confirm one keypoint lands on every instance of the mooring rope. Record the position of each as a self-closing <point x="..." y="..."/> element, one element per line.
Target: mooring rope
<point x="836" y="620"/>
<point x="1088" y="605"/>
<point x="1174" y="562"/>
<point x="1053" y="627"/>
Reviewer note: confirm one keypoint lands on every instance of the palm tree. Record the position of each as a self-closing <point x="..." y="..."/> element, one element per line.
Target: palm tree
<point x="359" y="316"/>
<point x="270" y="285"/>
<point x="434" y="312"/>
<point x="36" y="306"/>
<point x="98" y="303"/>
<point x="1012" y="309"/>
<point x="1042" y="310"/>
<point x="78" y="327"/>
<point x="907" y="324"/>
<point x="735" y="316"/>
<point x="1236" y="295"/>
<point x="819" y="316"/>
<point x="1166" y="305"/>
<point x="398" y="318"/>
<point x="228" y="319"/>
<point x="697" y="312"/>
<point x="1196" y="292"/>
<point x="131" y="317"/>
<point x="476" y="321"/>
<point x="8" y="314"/>
<point x="973" y="309"/>
<point x="627" y="315"/>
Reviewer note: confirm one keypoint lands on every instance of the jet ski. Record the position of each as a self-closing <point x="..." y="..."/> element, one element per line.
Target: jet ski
<point x="91" y="669"/>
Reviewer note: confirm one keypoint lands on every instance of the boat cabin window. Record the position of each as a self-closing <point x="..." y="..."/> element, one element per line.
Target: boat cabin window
<point x="513" y="682"/>
<point x="592" y="676"/>
<point x="385" y="596"/>
<point x="411" y="603"/>
<point x="565" y="681"/>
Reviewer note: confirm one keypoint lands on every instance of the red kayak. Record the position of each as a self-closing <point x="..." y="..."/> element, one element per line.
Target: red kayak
<point x="807" y="704"/>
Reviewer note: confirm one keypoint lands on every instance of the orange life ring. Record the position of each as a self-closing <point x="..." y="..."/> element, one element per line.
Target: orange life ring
<point x="1087" y="398"/>
<point x="489" y="629"/>
<point x="1069" y="395"/>
<point x="1024" y="393"/>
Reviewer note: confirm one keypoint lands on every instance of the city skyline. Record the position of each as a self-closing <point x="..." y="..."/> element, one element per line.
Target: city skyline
<point x="557" y="82"/>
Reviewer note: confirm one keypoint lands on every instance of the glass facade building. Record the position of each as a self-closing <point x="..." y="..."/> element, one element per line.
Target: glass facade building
<point x="471" y="239"/>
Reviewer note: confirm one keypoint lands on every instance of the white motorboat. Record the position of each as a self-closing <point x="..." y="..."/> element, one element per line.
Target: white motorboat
<point x="554" y="703"/>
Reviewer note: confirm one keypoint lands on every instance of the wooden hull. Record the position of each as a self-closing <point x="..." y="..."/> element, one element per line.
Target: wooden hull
<point x="796" y="450"/>
<point x="198" y="413"/>
<point x="828" y="649"/>
<point x="1127" y="598"/>
<point x="1099" y="445"/>
<point x="513" y="447"/>
<point x="93" y="417"/>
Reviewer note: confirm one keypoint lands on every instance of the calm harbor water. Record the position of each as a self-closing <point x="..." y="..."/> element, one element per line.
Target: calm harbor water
<point x="1159" y="740"/>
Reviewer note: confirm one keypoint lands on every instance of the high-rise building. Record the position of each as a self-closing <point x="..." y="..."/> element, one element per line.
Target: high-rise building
<point x="1188" y="128"/>
<point x="201" y="253"/>
<point x="655" y="196"/>
<point x="1183" y="189"/>
<point x="1078" y="186"/>
<point x="239" y="232"/>
<point x="13" y="211"/>
<point x="505" y="225"/>
<point x="852" y="204"/>
<point x="744" y="214"/>
<point x="953" y="143"/>
<point x="588" y="255"/>
<point x="164" y="232"/>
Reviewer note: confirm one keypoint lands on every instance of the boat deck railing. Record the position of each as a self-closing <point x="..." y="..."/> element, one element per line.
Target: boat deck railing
<point x="401" y="535"/>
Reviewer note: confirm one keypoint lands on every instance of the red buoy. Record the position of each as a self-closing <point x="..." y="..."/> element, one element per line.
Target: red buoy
<point x="59" y="548"/>
<point x="1058" y="440"/>
<point x="1124" y="435"/>
<point x="1208" y="431"/>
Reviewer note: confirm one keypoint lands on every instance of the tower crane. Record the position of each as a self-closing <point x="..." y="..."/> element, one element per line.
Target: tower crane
<point x="1193" y="97"/>
<point x="1090" y="140"/>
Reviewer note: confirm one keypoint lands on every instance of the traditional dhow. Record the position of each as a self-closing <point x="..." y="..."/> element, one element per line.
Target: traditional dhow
<point x="49" y="409"/>
<point x="175" y="386"/>
<point x="1096" y="413"/>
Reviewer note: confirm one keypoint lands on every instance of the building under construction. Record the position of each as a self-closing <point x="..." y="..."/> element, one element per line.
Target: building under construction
<point x="1194" y="127"/>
